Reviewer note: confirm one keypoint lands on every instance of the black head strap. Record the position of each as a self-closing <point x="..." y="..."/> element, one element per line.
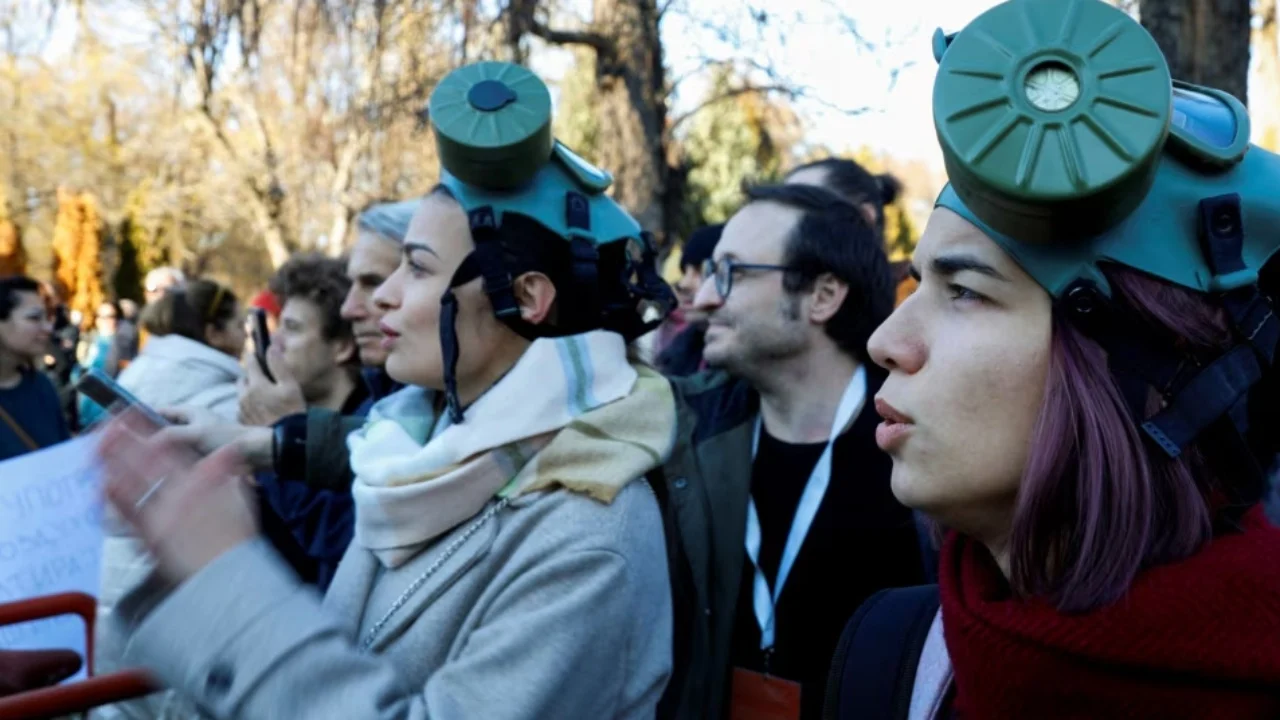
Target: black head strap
<point x="611" y="304"/>
<point x="484" y="261"/>
<point x="1199" y="400"/>
<point x="449" y="346"/>
<point x="640" y="281"/>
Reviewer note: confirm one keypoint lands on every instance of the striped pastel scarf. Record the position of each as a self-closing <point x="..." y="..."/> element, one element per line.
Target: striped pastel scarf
<point x="572" y="412"/>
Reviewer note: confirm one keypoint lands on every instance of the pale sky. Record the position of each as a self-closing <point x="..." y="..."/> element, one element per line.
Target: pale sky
<point x="818" y="53"/>
<point x="825" y="58"/>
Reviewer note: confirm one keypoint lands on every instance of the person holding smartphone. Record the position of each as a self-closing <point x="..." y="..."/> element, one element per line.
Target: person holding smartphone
<point x="312" y="356"/>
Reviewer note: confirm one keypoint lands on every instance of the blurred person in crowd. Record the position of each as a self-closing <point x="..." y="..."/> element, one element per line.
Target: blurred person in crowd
<point x="191" y="360"/>
<point x="301" y="463"/>
<point x="869" y="192"/>
<point x="508" y="560"/>
<point x="124" y="344"/>
<point x="197" y="334"/>
<point x="786" y="520"/>
<point x="31" y="415"/>
<point x="159" y="280"/>
<point x="680" y="340"/>
<point x="94" y="353"/>
<point x="267" y="301"/>
<point x="66" y="337"/>
<point x="312" y="355"/>
<point x="1083" y="394"/>
<point x="154" y="286"/>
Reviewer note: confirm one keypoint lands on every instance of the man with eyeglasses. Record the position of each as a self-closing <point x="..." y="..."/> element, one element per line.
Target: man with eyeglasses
<point x="780" y="515"/>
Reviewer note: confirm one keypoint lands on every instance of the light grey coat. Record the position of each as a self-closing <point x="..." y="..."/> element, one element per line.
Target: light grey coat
<point x="557" y="607"/>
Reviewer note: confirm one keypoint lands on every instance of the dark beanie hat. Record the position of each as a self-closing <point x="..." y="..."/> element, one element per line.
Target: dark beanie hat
<point x="700" y="245"/>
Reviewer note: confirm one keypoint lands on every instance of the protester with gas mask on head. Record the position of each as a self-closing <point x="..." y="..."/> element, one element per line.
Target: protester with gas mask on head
<point x="1082" y="392"/>
<point x="508" y="560"/>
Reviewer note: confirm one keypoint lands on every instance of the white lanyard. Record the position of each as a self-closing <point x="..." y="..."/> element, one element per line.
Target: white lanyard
<point x="855" y="395"/>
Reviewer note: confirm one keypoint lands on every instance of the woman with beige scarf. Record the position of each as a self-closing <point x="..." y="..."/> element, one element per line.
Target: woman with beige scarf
<point x="508" y="559"/>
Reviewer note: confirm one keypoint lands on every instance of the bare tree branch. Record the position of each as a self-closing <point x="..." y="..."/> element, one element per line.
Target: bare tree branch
<point x="788" y="90"/>
<point x="572" y="37"/>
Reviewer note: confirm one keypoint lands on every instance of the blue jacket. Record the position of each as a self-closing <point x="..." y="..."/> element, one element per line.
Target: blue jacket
<point x="33" y="405"/>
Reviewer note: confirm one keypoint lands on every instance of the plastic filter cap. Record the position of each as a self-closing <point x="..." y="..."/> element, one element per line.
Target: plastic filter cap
<point x="492" y="123"/>
<point x="1052" y="115"/>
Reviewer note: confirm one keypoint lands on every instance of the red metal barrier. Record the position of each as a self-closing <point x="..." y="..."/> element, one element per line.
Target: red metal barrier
<point x="73" y="697"/>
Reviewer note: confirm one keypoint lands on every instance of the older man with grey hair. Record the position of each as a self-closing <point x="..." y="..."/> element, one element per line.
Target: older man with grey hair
<point x="304" y="474"/>
<point x="159" y="280"/>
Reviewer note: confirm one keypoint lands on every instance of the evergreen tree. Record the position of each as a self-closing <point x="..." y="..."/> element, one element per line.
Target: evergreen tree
<point x="89" y="293"/>
<point x="575" y="122"/>
<point x="138" y="251"/>
<point x="13" y="254"/>
<point x="77" y="248"/>
<point x="66" y="248"/>
<point x="744" y="138"/>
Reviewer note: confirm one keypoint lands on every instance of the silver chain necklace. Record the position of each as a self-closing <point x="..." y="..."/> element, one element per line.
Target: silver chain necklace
<point x="417" y="584"/>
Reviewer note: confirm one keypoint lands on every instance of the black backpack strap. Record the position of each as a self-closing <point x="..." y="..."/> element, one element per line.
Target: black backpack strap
<point x="874" y="669"/>
<point x="929" y="555"/>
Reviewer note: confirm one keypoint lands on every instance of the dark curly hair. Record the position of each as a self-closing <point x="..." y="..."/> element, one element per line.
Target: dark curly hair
<point x="320" y="280"/>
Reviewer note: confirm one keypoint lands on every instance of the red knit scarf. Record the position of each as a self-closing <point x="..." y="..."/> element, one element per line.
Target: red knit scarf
<point x="1196" y="639"/>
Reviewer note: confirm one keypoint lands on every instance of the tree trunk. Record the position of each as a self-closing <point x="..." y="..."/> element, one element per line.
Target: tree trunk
<point x="630" y="106"/>
<point x="277" y="247"/>
<point x="336" y="242"/>
<point x="632" y="109"/>
<point x="1206" y="42"/>
<point x="1266" y="106"/>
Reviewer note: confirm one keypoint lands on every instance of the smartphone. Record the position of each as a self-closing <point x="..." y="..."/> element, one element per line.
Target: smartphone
<point x="261" y="338"/>
<point x="100" y="388"/>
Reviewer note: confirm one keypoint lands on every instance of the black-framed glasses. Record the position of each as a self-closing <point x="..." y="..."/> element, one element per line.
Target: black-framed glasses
<point x="724" y="270"/>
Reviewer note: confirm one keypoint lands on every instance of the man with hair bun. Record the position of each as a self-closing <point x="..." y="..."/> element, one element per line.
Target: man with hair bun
<point x="869" y="192"/>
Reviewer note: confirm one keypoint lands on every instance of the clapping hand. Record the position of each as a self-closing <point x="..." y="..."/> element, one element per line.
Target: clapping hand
<point x="187" y="509"/>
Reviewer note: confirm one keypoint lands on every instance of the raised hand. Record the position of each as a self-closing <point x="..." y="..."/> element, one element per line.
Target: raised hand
<point x="263" y="402"/>
<point x="187" y="509"/>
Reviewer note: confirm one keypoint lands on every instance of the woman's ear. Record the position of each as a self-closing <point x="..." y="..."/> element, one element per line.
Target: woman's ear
<point x="536" y="295"/>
